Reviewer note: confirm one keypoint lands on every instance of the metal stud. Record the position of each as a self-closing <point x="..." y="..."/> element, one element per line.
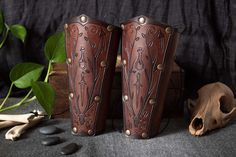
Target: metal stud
<point x="68" y="61"/>
<point x="127" y="132"/>
<point x="125" y="98"/>
<point x="168" y="30"/>
<point x="142" y="20"/>
<point x="152" y="101"/>
<point x="83" y="19"/>
<point x="74" y="130"/>
<point x="144" y="135"/>
<point x="124" y="62"/>
<point x="160" y="67"/>
<point x="122" y="26"/>
<point x="97" y="98"/>
<point x="66" y="26"/>
<point x="90" y="132"/>
<point x="109" y="28"/>
<point x="71" y="95"/>
<point x="103" y="64"/>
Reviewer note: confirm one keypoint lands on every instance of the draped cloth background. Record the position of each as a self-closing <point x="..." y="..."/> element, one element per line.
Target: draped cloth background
<point x="206" y="49"/>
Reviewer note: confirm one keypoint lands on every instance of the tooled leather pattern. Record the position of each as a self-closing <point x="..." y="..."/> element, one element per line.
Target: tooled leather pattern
<point x="87" y="47"/>
<point x="143" y="48"/>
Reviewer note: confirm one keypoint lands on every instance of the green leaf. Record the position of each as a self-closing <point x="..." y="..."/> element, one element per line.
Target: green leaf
<point x="55" y="48"/>
<point x="24" y="73"/>
<point x="1" y="22"/>
<point x="45" y="95"/>
<point x="18" y="31"/>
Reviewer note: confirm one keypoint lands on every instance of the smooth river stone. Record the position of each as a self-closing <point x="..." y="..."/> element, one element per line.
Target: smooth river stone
<point x="48" y="141"/>
<point x="48" y="130"/>
<point x="69" y="149"/>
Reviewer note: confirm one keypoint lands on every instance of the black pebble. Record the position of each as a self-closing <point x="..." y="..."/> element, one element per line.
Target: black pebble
<point x="69" y="149"/>
<point x="48" y="141"/>
<point x="48" y="130"/>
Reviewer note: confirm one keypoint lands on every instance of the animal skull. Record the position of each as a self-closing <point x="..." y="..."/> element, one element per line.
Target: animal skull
<point x="214" y="108"/>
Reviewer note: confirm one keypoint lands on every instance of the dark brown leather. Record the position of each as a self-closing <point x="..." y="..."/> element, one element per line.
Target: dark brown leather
<point x="91" y="55"/>
<point x="147" y="57"/>
<point x="59" y="80"/>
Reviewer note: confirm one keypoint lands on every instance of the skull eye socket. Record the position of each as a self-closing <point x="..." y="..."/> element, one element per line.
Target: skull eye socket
<point x="225" y="105"/>
<point x="197" y="123"/>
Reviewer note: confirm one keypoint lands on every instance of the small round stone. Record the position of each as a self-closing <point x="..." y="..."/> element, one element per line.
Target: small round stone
<point x="69" y="149"/>
<point x="48" y="141"/>
<point x="142" y="20"/>
<point x="90" y="132"/>
<point x="127" y="132"/>
<point x="83" y="19"/>
<point x="48" y="130"/>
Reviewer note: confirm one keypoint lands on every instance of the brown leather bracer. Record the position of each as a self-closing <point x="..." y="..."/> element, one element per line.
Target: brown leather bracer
<point x="147" y="57"/>
<point x="91" y="47"/>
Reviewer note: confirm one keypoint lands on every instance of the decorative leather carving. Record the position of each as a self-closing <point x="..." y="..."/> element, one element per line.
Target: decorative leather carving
<point x="91" y="55"/>
<point x="147" y="57"/>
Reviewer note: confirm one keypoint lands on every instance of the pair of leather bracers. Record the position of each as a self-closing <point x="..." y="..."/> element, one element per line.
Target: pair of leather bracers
<point x="147" y="56"/>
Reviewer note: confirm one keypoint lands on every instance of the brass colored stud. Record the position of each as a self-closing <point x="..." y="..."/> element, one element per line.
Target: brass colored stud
<point x="160" y="67"/>
<point x="71" y="96"/>
<point x="83" y="19"/>
<point x="127" y="132"/>
<point x="109" y="28"/>
<point x="144" y="135"/>
<point x="125" y="98"/>
<point x="122" y="26"/>
<point x="66" y="26"/>
<point x="103" y="64"/>
<point x="142" y="20"/>
<point x="97" y="98"/>
<point x="168" y="30"/>
<point x="152" y="101"/>
<point x="74" y="130"/>
<point x="124" y="62"/>
<point x="90" y="132"/>
<point x="68" y="61"/>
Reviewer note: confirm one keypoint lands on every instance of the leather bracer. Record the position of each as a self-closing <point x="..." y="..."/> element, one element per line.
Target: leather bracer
<point x="91" y="47"/>
<point x="147" y="57"/>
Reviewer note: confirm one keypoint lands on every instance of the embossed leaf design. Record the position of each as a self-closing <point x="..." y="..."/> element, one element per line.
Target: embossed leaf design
<point x="23" y="74"/>
<point x="18" y="31"/>
<point x="55" y="48"/>
<point x="45" y="95"/>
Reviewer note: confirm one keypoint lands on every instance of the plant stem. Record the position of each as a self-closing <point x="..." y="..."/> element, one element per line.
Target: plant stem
<point x="48" y="72"/>
<point x="25" y="99"/>
<point x="17" y="104"/>
<point x="8" y="94"/>
<point x="45" y="80"/>
<point x="5" y="35"/>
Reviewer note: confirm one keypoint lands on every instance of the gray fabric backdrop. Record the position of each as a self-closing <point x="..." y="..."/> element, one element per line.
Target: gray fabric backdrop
<point x="206" y="47"/>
